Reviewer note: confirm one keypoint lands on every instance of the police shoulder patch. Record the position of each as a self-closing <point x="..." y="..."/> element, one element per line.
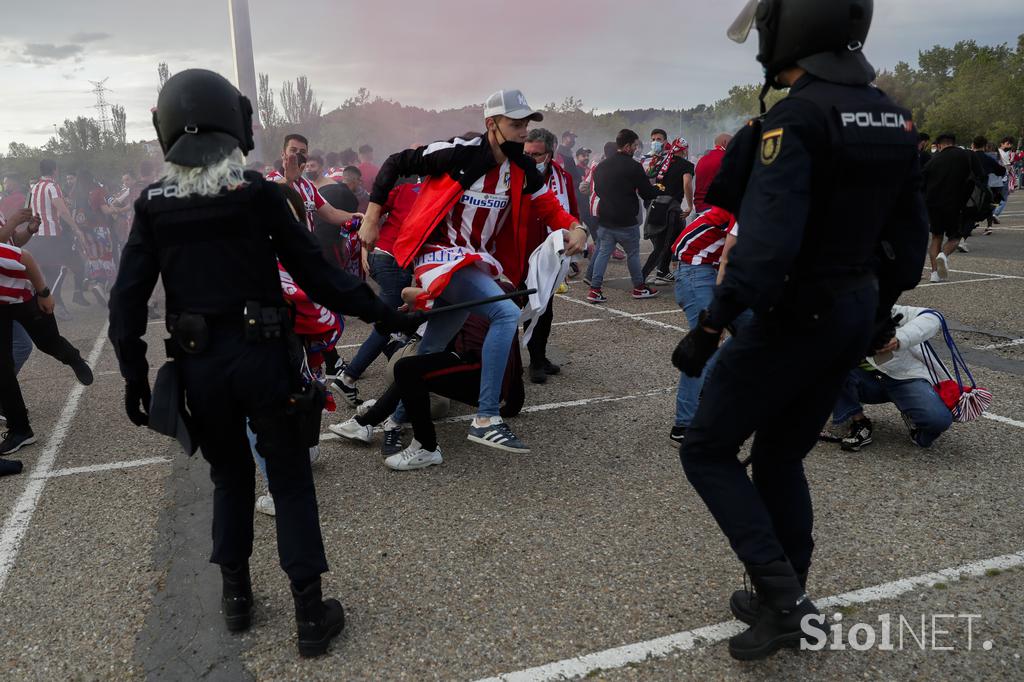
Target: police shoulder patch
<point x="771" y="145"/>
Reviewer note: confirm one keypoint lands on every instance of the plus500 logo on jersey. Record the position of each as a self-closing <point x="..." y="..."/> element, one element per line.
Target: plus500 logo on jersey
<point x="874" y="119"/>
<point x="482" y="200"/>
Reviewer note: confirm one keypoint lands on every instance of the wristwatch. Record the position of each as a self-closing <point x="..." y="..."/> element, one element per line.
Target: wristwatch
<point x="44" y="293"/>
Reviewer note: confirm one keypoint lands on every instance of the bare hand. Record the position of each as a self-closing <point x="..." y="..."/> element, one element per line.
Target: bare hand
<point x="584" y="187"/>
<point x="291" y="168"/>
<point x="34" y="223"/>
<point x="891" y="347"/>
<point x="22" y="215"/>
<point x="576" y="241"/>
<point x="369" y="232"/>
<point x="46" y="304"/>
<point x="409" y="294"/>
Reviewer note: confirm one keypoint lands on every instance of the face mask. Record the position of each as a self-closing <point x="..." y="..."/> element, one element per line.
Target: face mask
<point x="512" y="150"/>
<point x="309" y="175"/>
<point x="657" y="146"/>
<point x="542" y="168"/>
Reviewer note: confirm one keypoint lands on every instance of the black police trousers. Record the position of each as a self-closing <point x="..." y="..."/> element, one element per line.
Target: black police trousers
<point x="42" y="329"/>
<point x="778" y="381"/>
<point x="230" y="383"/>
<point x="538" y="343"/>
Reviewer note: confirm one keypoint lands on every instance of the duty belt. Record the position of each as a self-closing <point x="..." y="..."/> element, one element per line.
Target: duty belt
<point x="258" y="323"/>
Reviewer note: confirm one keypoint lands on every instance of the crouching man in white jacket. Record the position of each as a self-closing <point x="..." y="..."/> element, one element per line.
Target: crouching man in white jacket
<point x="896" y="374"/>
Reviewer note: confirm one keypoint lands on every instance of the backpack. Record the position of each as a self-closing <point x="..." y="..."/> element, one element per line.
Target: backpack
<point x="966" y="402"/>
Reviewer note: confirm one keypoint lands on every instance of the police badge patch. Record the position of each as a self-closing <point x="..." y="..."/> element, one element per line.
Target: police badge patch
<point x="771" y="145"/>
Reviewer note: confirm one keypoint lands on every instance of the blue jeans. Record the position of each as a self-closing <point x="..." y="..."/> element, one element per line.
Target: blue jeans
<point x="695" y="287"/>
<point x="392" y="279"/>
<point x="21" y="344"/>
<point x="593" y="254"/>
<point x="915" y="398"/>
<point x="629" y="239"/>
<point x="468" y="284"/>
<point x="1002" y="193"/>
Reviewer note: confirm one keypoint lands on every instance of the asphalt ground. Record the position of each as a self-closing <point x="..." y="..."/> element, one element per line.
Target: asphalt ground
<point x="590" y="556"/>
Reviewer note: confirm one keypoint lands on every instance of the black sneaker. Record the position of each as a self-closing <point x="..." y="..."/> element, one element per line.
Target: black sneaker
<point x="550" y="368"/>
<point x="664" y="278"/>
<point x="392" y="444"/>
<point x="537" y="374"/>
<point x="16" y="440"/>
<point x="497" y="435"/>
<point x="910" y="427"/>
<point x="860" y="435"/>
<point x="350" y="394"/>
<point x="82" y="372"/>
<point x="678" y="434"/>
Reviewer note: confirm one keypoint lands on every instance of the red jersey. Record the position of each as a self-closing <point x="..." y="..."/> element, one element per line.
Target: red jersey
<point x="703" y="241"/>
<point x="707" y="169"/>
<point x="12" y="203"/>
<point x="15" y="286"/>
<point x="369" y="172"/>
<point x="399" y="204"/>
<point x="307" y="190"/>
<point x="44" y="193"/>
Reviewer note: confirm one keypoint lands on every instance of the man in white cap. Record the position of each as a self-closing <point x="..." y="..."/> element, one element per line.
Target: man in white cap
<point x="471" y="225"/>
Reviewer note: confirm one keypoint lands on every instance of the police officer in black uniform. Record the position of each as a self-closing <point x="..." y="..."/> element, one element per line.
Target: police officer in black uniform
<point x="217" y="251"/>
<point x="832" y="230"/>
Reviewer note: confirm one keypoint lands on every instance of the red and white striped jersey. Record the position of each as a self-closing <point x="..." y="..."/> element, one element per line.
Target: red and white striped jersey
<point x="467" y="234"/>
<point x="307" y="190"/>
<point x="15" y="286"/>
<point x="703" y="241"/>
<point x="335" y="173"/>
<point x="44" y="193"/>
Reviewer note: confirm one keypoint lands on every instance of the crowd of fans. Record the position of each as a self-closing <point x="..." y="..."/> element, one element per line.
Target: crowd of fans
<point x="633" y="191"/>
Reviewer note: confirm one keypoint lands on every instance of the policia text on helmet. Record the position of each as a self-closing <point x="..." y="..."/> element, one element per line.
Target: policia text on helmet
<point x="825" y="38"/>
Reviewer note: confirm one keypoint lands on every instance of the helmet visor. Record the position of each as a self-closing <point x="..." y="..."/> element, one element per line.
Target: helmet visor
<point x="740" y="28"/>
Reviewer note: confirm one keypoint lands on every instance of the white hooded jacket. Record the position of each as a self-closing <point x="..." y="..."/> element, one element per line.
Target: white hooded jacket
<point x="912" y="331"/>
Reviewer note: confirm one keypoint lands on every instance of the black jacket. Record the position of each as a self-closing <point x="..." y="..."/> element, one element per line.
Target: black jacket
<point x="618" y="180"/>
<point x="947" y="179"/>
<point x="216" y="253"/>
<point x="834" y="195"/>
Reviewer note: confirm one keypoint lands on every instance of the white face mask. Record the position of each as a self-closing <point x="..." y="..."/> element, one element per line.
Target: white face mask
<point x="657" y="146"/>
<point x="542" y="168"/>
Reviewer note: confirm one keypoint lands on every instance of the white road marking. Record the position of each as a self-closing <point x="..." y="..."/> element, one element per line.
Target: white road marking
<point x="110" y="466"/>
<point x="328" y="435"/>
<point x="1003" y="420"/>
<point x="1004" y="344"/>
<point x="961" y="281"/>
<point x="623" y="313"/>
<point x="987" y="274"/>
<point x="17" y="522"/>
<point x="700" y="638"/>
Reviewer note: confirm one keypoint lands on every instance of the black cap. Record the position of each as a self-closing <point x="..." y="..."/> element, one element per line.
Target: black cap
<point x="201" y="117"/>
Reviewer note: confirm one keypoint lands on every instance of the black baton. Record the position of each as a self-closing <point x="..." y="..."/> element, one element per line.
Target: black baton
<point x="470" y="304"/>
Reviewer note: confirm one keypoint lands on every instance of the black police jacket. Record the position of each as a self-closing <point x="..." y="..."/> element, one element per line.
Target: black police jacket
<point x="216" y="253"/>
<point x="834" y="194"/>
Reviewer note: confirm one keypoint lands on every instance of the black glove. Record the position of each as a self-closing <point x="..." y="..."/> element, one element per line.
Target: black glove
<point x="137" y="398"/>
<point x="696" y="348"/>
<point x="885" y="330"/>
<point x="394" y="322"/>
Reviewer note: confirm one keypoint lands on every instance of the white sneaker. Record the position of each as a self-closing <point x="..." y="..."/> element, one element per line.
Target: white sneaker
<point x="314" y="454"/>
<point x="942" y="266"/>
<point x="962" y="247"/>
<point x="352" y="430"/>
<point x="365" y="407"/>
<point x="265" y="505"/>
<point x="935" y="278"/>
<point x="414" y="457"/>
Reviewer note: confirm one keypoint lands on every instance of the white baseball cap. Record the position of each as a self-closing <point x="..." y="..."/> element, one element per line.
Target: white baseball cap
<point x="510" y="103"/>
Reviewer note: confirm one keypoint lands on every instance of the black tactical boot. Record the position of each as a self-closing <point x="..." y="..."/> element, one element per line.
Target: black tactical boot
<point x="744" y="603"/>
<point x="782" y="605"/>
<point x="318" y="620"/>
<point x="237" y="600"/>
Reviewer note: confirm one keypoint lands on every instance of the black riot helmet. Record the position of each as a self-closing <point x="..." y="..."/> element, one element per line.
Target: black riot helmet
<point x="200" y="117"/>
<point x="824" y="37"/>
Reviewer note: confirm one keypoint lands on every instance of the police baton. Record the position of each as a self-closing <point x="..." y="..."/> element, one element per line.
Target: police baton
<point x="426" y="314"/>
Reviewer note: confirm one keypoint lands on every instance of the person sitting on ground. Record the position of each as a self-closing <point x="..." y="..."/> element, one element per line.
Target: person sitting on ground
<point x="453" y="373"/>
<point x="896" y="374"/>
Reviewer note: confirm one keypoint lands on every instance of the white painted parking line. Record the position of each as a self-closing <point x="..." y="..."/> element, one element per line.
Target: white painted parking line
<point x="596" y="400"/>
<point x="110" y="466"/>
<point x="1004" y="344"/>
<point x="701" y="638"/>
<point x="961" y="281"/>
<point x="1003" y="420"/>
<point x="987" y="274"/>
<point x="623" y="313"/>
<point x="18" y="521"/>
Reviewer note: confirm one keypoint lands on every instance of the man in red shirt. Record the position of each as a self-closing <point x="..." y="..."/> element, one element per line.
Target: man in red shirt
<point x="707" y="169"/>
<point x="13" y="195"/>
<point x="293" y="157"/>
<point x="367" y="167"/>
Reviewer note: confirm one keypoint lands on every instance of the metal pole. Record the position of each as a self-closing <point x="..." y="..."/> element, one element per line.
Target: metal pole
<point x="245" y="69"/>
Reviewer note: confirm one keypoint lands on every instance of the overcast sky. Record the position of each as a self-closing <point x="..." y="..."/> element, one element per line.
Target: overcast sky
<point x="436" y="54"/>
